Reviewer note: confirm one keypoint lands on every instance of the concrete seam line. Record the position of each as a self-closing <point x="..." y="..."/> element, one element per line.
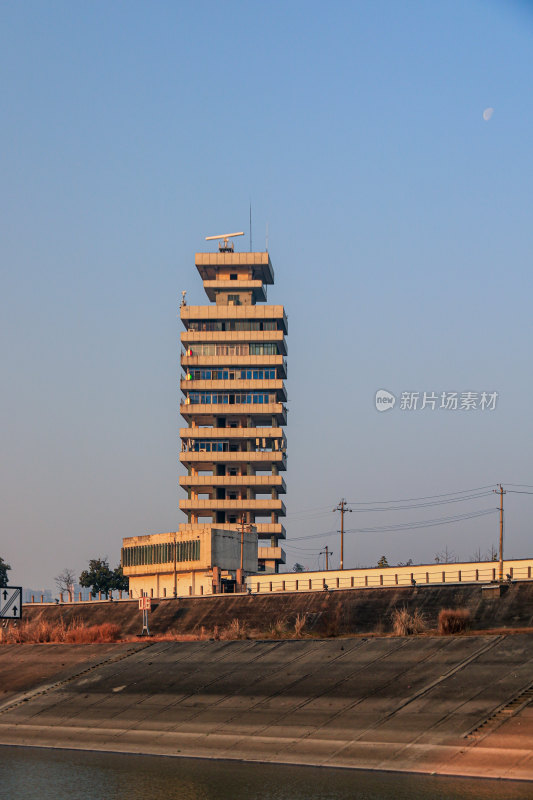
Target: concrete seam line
<point x="336" y="685"/>
<point x="446" y="675"/>
<point x="40" y="690"/>
<point x="422" y="691"/>
<point x="520" y="706"/>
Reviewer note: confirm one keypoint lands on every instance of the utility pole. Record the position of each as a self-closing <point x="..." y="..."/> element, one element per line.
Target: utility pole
<point x="249" y="529"/>
<point x="328" y="552"/>
<point x="242" y="543"/>
<point x="342" y="507"/>
<point x="175" y="568"/>
<point x="501" y="491"/>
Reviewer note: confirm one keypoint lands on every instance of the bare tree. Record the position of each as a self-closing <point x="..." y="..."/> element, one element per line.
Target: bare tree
<point x="65" y="582"/>
<point x="445" y="557"/>
<point x="492" y="554"/>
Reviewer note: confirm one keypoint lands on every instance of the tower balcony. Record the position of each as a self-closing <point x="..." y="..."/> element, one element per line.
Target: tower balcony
<point x="212" y="265"/>
<point x="270" y="557"/>
<point x="232" y="433"/>
<point x="260" y="460"/>
<point x="235" y="337"/>
<point x="264" y="530"/>
<point x="261" y="483"/>
<point x="236" y="385"/>
<point x="207" y="412"/>
<point x="217" y="362"/>
<point x="261" y="506"/>
<point x="222" y="312"/>
<point x="258" y="288"/>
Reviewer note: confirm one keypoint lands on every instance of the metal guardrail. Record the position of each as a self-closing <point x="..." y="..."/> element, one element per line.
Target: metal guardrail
<point x="418" y="577"/>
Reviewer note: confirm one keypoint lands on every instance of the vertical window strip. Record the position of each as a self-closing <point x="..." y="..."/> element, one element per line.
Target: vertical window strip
<point x="144" y="555"/>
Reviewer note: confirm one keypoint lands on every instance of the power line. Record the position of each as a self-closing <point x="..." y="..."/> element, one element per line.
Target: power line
<point x="426" y="523"/>
<point x="424" y="505"/>
<point x="309" y="510"/>
<point x="416" y="499"/>
<point x="406" y="525"/>
<point x="386" y="505"/>
<point x="310" y="550"/>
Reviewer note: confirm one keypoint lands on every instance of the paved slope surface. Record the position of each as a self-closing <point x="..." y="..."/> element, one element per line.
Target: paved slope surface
<point x="416" y="704"/>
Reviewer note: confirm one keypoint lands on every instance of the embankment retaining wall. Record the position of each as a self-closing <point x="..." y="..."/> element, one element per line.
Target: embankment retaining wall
<point x="331" y="613"/>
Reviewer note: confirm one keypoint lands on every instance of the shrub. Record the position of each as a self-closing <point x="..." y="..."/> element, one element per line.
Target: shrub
<point x="405" y="624"/>
<point x="278" y="629"/>
<point x="235" y="630"/>
<point x="299" y="624"/>
<point x="454" y="620"/>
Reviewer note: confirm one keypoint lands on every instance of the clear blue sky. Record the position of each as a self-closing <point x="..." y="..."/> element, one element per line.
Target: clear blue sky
<point x="399" y="229"/>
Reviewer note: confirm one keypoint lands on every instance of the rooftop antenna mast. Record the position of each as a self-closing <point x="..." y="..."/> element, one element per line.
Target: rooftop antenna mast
<point x="224" y="244"/>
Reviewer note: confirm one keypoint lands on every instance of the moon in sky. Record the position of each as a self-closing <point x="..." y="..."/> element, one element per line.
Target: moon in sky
<point x="487" y="114"/>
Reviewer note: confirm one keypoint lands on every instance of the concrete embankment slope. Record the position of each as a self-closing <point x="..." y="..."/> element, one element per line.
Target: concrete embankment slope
<point x="449" y="705"/>
<point x="341" y="612"/>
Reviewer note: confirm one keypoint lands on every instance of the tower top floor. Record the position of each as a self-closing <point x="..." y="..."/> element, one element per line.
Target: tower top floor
<point x="231" y="278"/>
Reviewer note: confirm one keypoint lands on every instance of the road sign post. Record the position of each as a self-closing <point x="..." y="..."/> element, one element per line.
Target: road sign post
<point x="145" y="605"/>
<point x="11" y="602"/>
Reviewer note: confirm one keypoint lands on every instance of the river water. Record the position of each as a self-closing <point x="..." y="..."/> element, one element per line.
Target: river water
<point x="40" y="774"/>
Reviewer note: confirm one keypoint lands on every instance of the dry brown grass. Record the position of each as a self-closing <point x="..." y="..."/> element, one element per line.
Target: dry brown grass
<point x="454" y="620"/>
<point x="76" y="632"/>
<point x="299" y="624"/>
<point x="177" y="636"/>
<point x="278" y="629"/>
<point x="235" y="630"/>
<point x="406" y="624"/>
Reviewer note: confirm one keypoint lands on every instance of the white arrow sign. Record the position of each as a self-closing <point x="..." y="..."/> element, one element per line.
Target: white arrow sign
<point x="11" y="602"/>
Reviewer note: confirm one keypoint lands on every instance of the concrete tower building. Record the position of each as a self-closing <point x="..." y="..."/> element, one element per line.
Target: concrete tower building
<point x="234" y="366"/>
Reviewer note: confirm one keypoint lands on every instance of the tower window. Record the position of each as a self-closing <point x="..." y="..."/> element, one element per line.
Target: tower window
<point x="233" y="276"/>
